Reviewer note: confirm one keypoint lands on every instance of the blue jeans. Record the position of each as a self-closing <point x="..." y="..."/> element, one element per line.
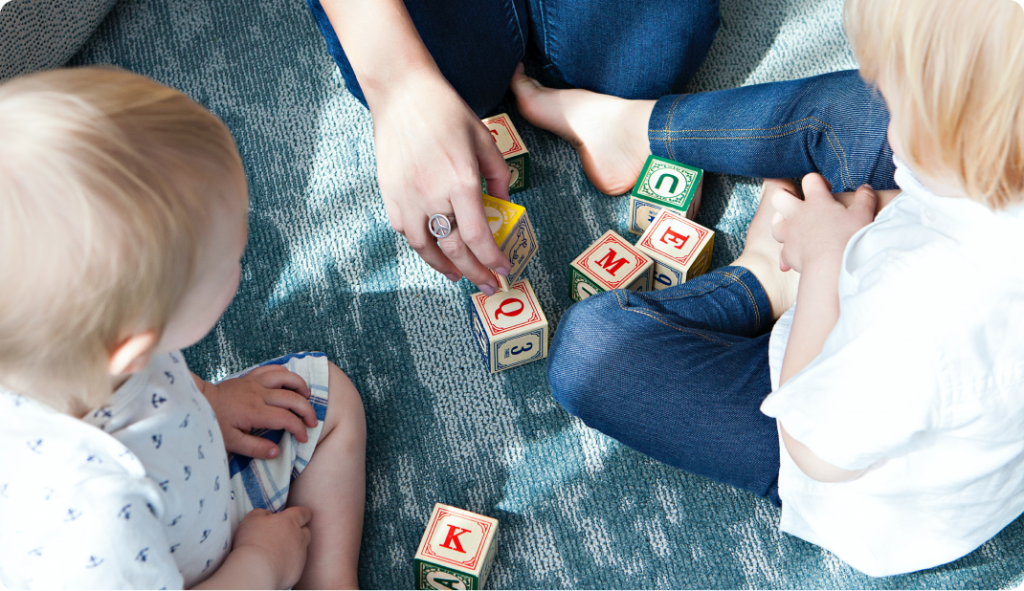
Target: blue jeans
<point x="833" y="124"/>
<point x="677" y="374"/>
<point x="635" y="49"/>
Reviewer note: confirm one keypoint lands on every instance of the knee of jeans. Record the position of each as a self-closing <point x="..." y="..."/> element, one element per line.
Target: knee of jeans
<point x="583" y="358"/>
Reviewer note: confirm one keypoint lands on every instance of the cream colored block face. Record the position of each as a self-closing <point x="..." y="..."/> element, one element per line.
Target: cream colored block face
<point x="510" y="327"/>
<point x="512" y="148"/>
<point x="456" y="550"/>
<point x="513" y="233"/>
<point x="613" y="263"/>
<point x="680" y="248"/>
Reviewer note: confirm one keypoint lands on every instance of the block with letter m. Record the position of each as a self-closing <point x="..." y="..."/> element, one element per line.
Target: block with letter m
<point x="610" y="263"/>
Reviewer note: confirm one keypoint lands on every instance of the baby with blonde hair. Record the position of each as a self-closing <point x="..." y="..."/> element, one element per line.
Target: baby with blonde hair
<point x="123" y="219"/>
<point x="860" y="364"/>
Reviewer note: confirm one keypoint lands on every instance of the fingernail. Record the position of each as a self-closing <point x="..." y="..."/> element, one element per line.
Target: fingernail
<point x="272" y="453"/>
<point x="487" y="289"/>
<point x="453" y="277"/>
<point x="503" y="271"/>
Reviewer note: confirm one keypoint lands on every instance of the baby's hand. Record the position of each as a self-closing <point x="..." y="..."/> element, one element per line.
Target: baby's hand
<point x="280" y="539"/>
<point x="820" y="226"/>
<point x="269" y="397"/>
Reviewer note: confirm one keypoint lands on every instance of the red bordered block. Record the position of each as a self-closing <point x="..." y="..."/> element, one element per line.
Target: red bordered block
<point x="681" y="249"/>
<point x="610" y="263"/>
<point x="510" y="327"/>
<point x="456" y="550"/>
<point x="512" y="149"/>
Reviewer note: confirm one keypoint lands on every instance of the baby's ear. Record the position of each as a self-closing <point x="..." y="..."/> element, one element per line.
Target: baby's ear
<point x="132" y="354"/>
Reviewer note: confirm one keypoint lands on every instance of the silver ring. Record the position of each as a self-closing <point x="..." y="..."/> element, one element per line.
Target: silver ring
<point x="441" y="225"/>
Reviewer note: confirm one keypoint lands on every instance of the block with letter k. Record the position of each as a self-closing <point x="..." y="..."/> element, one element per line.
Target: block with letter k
<point x="456" y="550"/>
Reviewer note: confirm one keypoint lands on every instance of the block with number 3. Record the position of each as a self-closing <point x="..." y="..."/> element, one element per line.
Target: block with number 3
<point x="510" y="327"/>
<point x="512" y="149"/>
<point x="456" y="550"/>
<point x="681" y="249"/>
<point x="513" y="233"/>
<point x="610" y="263"/>
<point x="664" y="184"/>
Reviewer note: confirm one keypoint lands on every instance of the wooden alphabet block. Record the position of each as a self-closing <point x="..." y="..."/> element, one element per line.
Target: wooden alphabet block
<point x="664" y="184"/>
<point x="456" y="550"/>
<point x="610" y="263"/>
<point x="510" y="327"/>
<point x="513" y="149"/>
<point x="514" y="235"/>
<point x="681" y="249"/>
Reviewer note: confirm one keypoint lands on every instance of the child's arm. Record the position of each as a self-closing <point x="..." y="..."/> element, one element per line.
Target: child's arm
<point x="814" y="234"/>
<point x="268" y="397"/>
<point x="268" y="552"/>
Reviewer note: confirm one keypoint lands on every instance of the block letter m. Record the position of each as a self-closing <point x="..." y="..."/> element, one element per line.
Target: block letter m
<point x="610" y="264"/>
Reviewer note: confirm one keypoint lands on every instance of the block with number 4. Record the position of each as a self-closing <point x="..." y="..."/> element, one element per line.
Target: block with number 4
<point x="512" y="148"/>
<point x="456" y="550"/>
<point x="664" y="184"/>
<point x="514" y="235"/>
<point x="610" y="263"/>
<point x="681" y="249"/>
<point x="510" y="327"/>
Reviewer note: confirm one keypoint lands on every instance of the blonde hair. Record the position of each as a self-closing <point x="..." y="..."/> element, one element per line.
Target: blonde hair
<point x="107" y="183"/>
<point x="952" y="72"/>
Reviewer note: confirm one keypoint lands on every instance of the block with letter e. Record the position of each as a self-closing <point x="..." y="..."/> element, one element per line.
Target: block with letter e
<point x="512" y="231"/>
<point x="681" y="249"/>
<point x="456" y="550"/>
<point x="664" y="184"/>
<point x="610" y="263"/>
<point x="514" y="151"/>
<point x="510" y="327"/>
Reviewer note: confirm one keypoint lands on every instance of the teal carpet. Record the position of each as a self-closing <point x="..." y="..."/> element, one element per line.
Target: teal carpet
<point x="324" y="271"/>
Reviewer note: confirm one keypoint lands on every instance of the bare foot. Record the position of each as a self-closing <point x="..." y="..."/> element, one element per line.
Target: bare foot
<point x="609" y="133"/>
<point x="761" y="253"/>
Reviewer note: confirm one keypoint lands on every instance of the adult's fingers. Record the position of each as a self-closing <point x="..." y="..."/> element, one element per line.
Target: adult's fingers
<point x="423" y="242"/>
<point x="456" y="249"/>
<point x="493" y="167"/>
<point x="476" y="232"/>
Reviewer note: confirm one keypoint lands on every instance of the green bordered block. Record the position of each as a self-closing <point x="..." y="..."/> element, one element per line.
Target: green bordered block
<point x="581" y="287"/>
<point x="432" y="576"/>
<point x="513" y="150"/>
<point x="608" y="264"/>
<point x="664" y="184"/>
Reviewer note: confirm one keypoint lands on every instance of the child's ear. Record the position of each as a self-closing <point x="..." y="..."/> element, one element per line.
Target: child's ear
<point x="133" y="354"/>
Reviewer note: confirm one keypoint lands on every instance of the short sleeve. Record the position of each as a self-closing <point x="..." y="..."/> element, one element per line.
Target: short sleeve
<point x="105" y="534"/>
<point x="876" y="384"/>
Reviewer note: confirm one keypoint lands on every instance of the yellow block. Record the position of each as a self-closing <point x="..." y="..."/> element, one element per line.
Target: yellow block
<point x="502" y="217"/>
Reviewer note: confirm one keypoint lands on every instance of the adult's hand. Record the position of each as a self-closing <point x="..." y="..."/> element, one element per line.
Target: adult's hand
<point x="431" y="148"/>
<point x="431" y="151"/>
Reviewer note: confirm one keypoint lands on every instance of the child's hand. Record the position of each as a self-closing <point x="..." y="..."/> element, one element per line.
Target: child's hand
<point x="278" y="540"/>
<point x="269" y="397"/>
<point x="819" y="227"/>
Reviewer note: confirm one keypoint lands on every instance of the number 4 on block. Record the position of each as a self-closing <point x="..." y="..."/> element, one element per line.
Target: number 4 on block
<point x="456" y="550"/>
<point x="510" y="327"/>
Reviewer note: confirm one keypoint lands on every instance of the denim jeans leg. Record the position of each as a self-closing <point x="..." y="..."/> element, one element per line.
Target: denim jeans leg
<point x="677" y="374"/>
<point x="642" y="49"/>
<point x="476" y="44"/>
<point x="834" y="124"/>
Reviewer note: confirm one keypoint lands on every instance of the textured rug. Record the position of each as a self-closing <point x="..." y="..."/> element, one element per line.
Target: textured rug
<point x="324" y="271"/>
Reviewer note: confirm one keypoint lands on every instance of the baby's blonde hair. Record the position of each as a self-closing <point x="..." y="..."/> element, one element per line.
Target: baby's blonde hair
<point x="107" y="183"/>
<point x="952" y="72"/>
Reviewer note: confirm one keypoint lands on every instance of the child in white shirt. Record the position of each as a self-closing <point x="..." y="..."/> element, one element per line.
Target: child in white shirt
<point x="123" y="218"/>
<point x="894" y="388"/>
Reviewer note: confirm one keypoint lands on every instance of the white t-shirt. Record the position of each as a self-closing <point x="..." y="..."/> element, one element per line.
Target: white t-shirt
<point x="922" y="380"/>
<point x="134" y="496"/>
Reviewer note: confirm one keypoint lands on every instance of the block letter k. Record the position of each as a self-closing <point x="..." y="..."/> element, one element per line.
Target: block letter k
<point x="454" y="532"/>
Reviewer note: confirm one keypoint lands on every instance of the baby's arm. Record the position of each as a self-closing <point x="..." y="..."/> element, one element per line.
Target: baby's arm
<point x="814" y="233"/>
<point x="268" y="397"/>
<point x="268" y="552"/>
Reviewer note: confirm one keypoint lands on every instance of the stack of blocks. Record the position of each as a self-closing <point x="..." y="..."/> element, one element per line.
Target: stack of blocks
<point x="456" y="550"/>
<point x="672" y="249"/>
<point x="513" y="150"/>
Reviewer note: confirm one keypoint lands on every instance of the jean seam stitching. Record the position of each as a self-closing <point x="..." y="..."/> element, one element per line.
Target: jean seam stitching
<point x="671" y="115"/>
<point x="750" y="294"/>
<point x="662" y="321"/>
